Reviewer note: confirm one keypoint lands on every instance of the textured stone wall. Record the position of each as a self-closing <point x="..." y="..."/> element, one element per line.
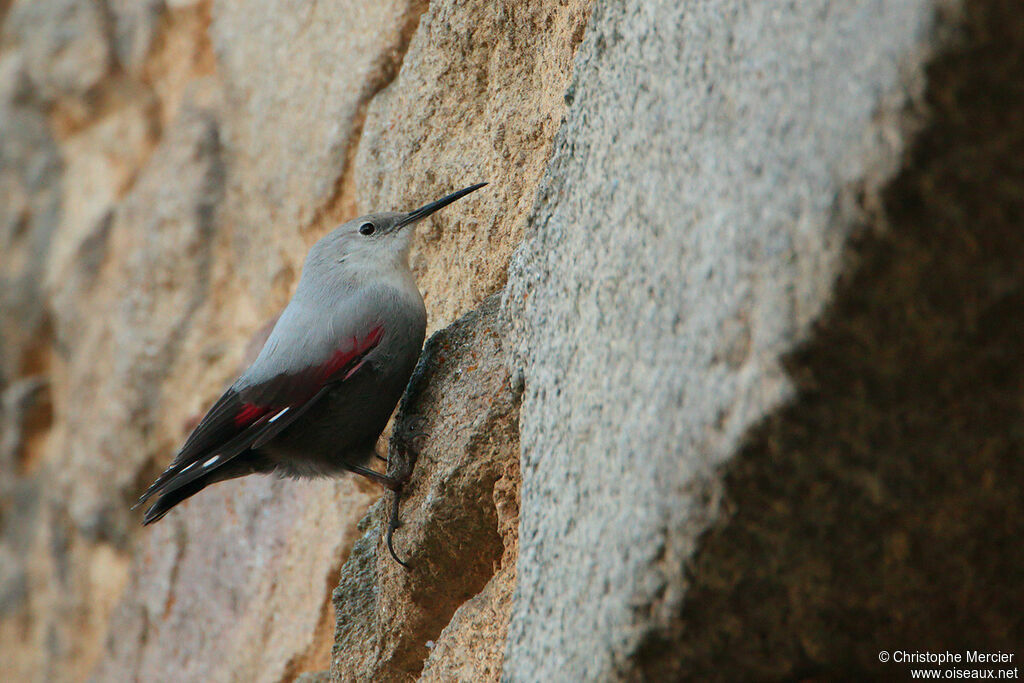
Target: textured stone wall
<point x="726" y="382"/>
<point x="651" y="324"/>
<point x="768" y="319"/>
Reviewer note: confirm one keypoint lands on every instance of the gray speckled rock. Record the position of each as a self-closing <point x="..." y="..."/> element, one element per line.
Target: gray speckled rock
<point x="689" y="229"/>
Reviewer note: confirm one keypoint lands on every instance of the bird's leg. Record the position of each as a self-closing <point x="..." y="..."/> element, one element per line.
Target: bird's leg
<point x="408" y="425"/>
<point x="403" y="443"/>
<point x="393" y="483"/>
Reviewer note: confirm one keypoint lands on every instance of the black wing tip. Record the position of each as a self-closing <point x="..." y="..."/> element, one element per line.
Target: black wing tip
<point x="157" y="487"/>
<point x="169" y="499"/>
<point x="144" y="497"/>
<point x="153" y="489"/>
<point x="154" y="513"/>
<point x="151" y="518"/>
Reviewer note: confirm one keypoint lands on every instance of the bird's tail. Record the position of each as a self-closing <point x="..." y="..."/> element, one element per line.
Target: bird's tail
<point x="174" y="486"/>
<point x="168" y="500"/>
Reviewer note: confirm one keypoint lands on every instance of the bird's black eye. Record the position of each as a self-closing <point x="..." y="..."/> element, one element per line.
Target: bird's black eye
<point x="367" y="229"/>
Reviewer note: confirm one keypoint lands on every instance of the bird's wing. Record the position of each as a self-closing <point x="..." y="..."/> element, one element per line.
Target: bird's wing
<point x="249" y="415"/>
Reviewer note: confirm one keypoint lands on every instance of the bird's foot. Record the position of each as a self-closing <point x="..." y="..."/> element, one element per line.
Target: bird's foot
<point x="394" y="483"/>
<point x="407" y="439"/>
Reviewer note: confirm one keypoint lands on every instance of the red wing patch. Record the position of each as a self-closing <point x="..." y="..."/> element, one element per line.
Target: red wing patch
<point x="250" y="412"/>
<point x="344" y="358"/>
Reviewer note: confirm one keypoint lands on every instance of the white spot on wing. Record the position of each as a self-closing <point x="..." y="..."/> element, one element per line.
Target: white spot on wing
<point x="211" y="461"/>
<point x="189" y="467"/>
<point x="279" y="414"/>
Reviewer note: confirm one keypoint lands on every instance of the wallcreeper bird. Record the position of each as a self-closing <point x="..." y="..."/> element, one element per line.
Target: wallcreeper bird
<point x="318" y="396"/>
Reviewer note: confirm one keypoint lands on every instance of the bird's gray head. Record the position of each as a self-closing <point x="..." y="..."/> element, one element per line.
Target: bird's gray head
<point x="374" y="241"/>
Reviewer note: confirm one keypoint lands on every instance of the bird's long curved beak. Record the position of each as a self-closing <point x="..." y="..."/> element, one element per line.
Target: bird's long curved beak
<point x="424" y="211"/>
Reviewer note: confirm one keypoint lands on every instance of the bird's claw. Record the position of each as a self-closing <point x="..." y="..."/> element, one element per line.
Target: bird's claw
<point x="393" y="524"/>
<point x="403" y="451"/>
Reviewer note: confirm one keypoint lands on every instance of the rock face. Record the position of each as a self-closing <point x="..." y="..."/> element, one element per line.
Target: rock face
<point x="651" y="325"/>
<point x="727" y="378"/>
<point x="713" y="486"/>
<point x="459" y="533"/>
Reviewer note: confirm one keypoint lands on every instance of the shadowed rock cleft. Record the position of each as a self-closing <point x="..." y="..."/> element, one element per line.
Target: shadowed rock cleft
<point x="882" y="508"/>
